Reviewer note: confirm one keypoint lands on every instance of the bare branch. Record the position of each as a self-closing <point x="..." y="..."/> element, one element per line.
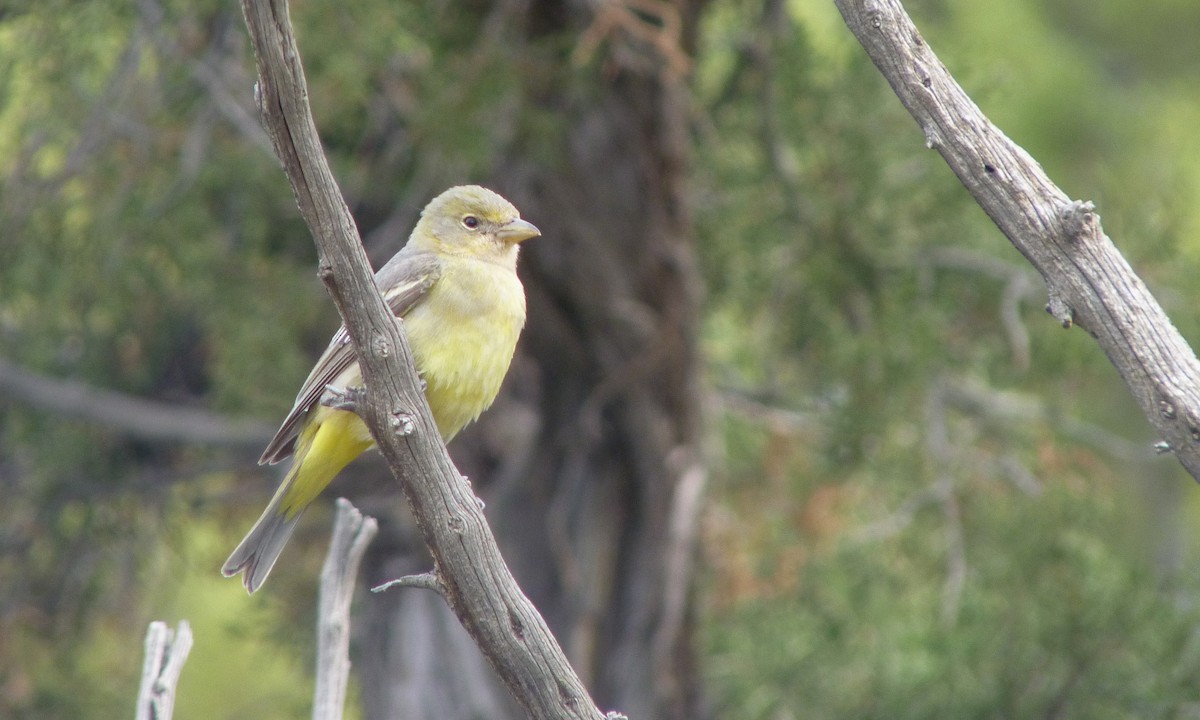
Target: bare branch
<point x="479" y="587"/>
<point x="208" y="73"/>
<point x="680" y="555"/>
<point x="1089" y="282"/>
<point x="138" y="417"/>
<point x="1007" y="411"/>
<point x="425" y="581"/>
<point x="1010" y="409"/>
<point x="941" y="453"/>
<point x="352" y="533"/>
<point x="166" y="652"/>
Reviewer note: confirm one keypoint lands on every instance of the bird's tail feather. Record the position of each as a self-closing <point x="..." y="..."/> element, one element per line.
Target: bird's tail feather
<point x="258" y="551"/>
<point x="329" y="440"/>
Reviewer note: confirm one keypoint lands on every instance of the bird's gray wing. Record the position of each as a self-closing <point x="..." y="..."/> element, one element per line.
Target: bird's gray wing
<point x="404" y="280"/>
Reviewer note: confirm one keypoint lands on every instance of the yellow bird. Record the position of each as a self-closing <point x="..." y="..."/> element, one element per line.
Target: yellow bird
<point x="455" y="284"/>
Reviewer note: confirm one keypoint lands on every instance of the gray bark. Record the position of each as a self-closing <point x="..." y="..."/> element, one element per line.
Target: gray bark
<point x="352" y="533"/>
<point x="166" y="652"/>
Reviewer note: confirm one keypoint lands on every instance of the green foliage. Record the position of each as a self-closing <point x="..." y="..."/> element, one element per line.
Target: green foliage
<point x="138" y="231"/>
<point x="878" y="548"/>
<point x="237" y="638"/>
<point x="874" y="549"/>
<point x="1056" y="619"/>
<point x="152" y="246"/>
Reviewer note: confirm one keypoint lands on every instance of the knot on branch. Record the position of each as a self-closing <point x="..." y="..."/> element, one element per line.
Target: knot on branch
<point x="1166" y="408"/>
<point x="933" y="136"/>
<point x="403" y="423"/>
<point x="1169" y="409"/>
<point x="380" y="345"/>
<point x="874" y="17"/>
<point x="1060" y="310"/>
<point x="1193" y="425"/>
<point x="1076" y="218"/>
<point x="568" y="698"/>
<point x="325" y="272"/>
<point x="516" y="625"/>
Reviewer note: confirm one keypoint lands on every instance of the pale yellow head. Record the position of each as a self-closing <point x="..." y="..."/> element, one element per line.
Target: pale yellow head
<point x="473" y="221"/>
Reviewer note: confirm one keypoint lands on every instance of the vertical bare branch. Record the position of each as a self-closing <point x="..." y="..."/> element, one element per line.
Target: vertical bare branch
<point x="352" y="533"/>
<point x="166" y="652"/>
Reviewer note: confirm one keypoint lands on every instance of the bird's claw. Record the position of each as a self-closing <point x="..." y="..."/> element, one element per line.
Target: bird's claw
<point x="348" y="399"/>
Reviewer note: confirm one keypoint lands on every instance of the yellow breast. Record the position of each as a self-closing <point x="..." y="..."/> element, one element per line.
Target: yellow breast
<point x="463" y="335"/>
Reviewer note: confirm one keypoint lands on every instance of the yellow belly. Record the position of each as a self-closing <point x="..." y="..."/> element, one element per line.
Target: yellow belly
<point x="463" y="335"/>
<point x="328" y="442"/>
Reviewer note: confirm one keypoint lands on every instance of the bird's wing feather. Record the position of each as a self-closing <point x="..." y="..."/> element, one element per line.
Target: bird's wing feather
<point x="404" y="280"/>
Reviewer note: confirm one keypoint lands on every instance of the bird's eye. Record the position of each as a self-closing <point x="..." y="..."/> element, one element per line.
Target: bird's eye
<point x="470" y="222"/>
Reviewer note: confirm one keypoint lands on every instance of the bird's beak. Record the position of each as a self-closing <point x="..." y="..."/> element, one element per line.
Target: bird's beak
<point x="517" y="231"/>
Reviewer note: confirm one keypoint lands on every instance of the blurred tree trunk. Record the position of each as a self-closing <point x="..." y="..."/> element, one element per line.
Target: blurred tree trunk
<point x="589" y="463"/>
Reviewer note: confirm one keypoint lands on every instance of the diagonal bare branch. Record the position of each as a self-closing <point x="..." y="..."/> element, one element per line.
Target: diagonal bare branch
<point x="479" y="587"/>
<point x="1089" y="282"/>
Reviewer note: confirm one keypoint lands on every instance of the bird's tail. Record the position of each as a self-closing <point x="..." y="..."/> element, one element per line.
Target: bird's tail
<point x="328" y="442"/>
<point x="258" y="551"/>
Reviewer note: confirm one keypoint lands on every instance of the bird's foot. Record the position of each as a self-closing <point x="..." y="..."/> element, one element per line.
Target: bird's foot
<point x="349" y="399"/>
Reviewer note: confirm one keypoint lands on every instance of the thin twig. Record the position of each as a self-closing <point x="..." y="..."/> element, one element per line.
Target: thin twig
<point x="424" y="581"/>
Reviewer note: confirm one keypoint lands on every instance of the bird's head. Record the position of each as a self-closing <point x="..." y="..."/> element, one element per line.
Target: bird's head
<point x="474" y="221"/>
